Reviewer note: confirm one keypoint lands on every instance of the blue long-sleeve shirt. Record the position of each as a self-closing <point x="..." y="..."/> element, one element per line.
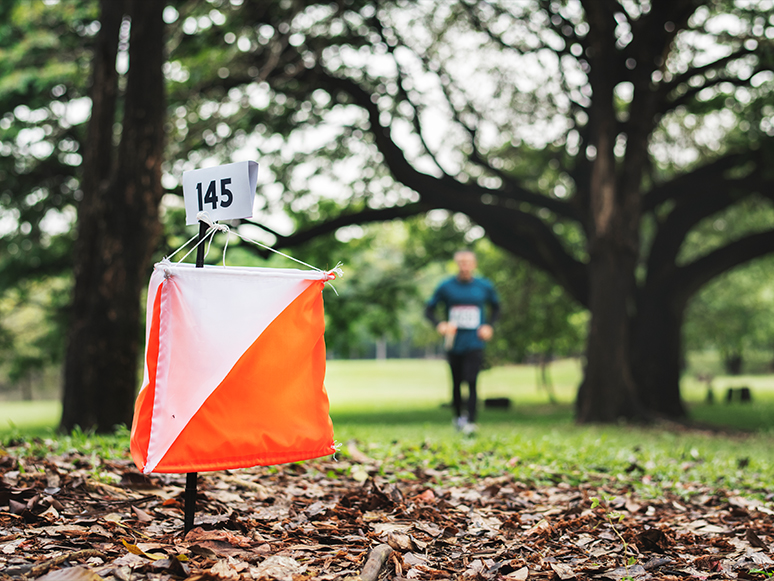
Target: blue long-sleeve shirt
<point x="465" y="303"/>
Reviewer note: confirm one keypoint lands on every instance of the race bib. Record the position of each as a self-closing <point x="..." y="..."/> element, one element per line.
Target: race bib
<point x="465" y="316"/>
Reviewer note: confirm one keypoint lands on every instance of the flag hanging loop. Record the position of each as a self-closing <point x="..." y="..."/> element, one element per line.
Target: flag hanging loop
<point x="213" y="227"/>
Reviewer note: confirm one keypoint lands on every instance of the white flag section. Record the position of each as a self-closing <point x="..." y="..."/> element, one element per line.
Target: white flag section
<point x="235" y="360"/>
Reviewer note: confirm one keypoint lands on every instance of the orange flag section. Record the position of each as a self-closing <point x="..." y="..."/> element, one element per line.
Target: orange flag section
<point x="234" y="369"/>
<point x="272" y="407"/>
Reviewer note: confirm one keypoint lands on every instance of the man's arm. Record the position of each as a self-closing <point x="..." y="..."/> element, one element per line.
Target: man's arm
<point x="445" y="328"/>
<point x="430" y="314"/>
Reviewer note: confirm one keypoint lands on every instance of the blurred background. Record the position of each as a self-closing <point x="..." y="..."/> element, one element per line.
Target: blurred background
<point x="389" y="135"/>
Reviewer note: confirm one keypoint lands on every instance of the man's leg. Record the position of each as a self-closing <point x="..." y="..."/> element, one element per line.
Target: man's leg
<point x="456" y="362"/>
<point x="471" y="366"/>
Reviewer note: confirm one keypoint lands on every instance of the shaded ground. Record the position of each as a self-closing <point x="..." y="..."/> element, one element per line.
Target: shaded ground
<point x="77" y="518"/>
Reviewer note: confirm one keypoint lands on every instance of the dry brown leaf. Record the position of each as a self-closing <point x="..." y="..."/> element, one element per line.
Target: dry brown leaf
<point x="357" y="455"/>
<point x="401" y="542"/>
<point x="563" y="571"/>
<point x="277" y="568"/>
<point x="71" y="574"/>
<point x="224" y="569"/>
<point x="141" y="515"/>
<point x="754" y="539"/>
<point x="519" y="574"/>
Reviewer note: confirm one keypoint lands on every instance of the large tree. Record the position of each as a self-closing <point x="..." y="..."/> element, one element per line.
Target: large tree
<point x="118" y="225"/>
<point x="58" y="61"/>
<point x="589" y="137"/>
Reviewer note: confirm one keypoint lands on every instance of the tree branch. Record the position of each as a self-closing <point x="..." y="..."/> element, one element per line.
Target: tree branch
<point x="415" y="119"/>
<point x="430" y="187"/>
<point x="363" y="217"/>
<point x="690" y="278"/>
<point x="690" y="186"/>
<point x="700" y="194"/>
<point x="693" y="91"/>
<point x="667" y="88"/>
<point x="519" y="231"/>
<point x="530" y="238"/>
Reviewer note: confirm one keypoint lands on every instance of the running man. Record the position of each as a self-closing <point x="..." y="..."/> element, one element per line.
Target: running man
<point x="465" y="330"/>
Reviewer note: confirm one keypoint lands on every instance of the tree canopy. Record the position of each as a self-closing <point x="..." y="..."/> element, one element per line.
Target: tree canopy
<point x="589" y="138"/>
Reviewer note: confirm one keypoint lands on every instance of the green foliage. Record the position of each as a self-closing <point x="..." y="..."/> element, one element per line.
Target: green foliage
<point x="44" y="69"/>
<point x="32" y="329"/>
<point x="734" y="314"/>
<point x="44" y="66"/>
<point x="538" y="319"/>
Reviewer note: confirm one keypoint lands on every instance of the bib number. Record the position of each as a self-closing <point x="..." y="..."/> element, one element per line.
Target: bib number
<point x="465" y="316"/>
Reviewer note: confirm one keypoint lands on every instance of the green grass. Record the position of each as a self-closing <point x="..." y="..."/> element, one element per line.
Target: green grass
<point x="38" y="417"/>
<point x="412" y="383"/>
<point x="394" y="411"/>
<point x="397" y="413"/>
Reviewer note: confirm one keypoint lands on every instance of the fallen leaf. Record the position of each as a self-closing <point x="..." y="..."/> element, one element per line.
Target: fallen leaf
<point x="135" y="550"/>
<point x="277" y="567"/>
<point x="427" y="496"/>
<point x="754" y="539"/>
<point x="198" y="534"/>
<point x="359" y="474"/>
<point x="519" y="574"/>
<point x="316" y="515"/>
<point x="390" y="527"/>
<point x="563" y="571"/>
<point x="429" y="528"/>
<point x="413" y="559"/>
<point x="224" y="569"/>
<point x="760" y="559"/>
<point x="633" y="572"/>
<point x="357" y="455"/>
<point x="71" y="574"/>
<point x="401" y="542"/>
<point x="542" y="526"/>
<point x="141" y="515"/>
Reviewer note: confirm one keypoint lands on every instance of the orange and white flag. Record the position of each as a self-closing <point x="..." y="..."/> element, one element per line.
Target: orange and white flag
<point x="234" y="369"/>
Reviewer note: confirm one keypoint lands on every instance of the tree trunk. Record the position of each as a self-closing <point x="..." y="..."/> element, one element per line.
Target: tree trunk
<point x="732" y="362"/>
<point x="26" y="386"/>
<point x="118" y="224"/>
<point x="656" y="356"/>
<point x="608" y="392"/>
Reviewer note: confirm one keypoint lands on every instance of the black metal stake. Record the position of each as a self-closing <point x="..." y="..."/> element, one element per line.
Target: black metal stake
<point x="191" y="477"/>
<point x="190" y="500"/>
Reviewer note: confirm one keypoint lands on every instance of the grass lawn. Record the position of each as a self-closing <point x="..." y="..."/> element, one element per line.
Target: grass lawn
<point x="367" y="392"/>
<point x="396" y="411"/>
<point x="35" y="417"/>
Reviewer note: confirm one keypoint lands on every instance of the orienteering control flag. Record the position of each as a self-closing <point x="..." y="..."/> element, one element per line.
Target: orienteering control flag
<point x="234" y="369"/>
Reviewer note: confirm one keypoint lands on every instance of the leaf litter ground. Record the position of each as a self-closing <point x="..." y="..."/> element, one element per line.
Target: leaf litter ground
<point x="80" y="518"/>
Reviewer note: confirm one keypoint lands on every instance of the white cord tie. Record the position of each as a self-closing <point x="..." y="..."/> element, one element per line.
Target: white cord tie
<point x="205" y="217"/>
<point x="213" y="227"/>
